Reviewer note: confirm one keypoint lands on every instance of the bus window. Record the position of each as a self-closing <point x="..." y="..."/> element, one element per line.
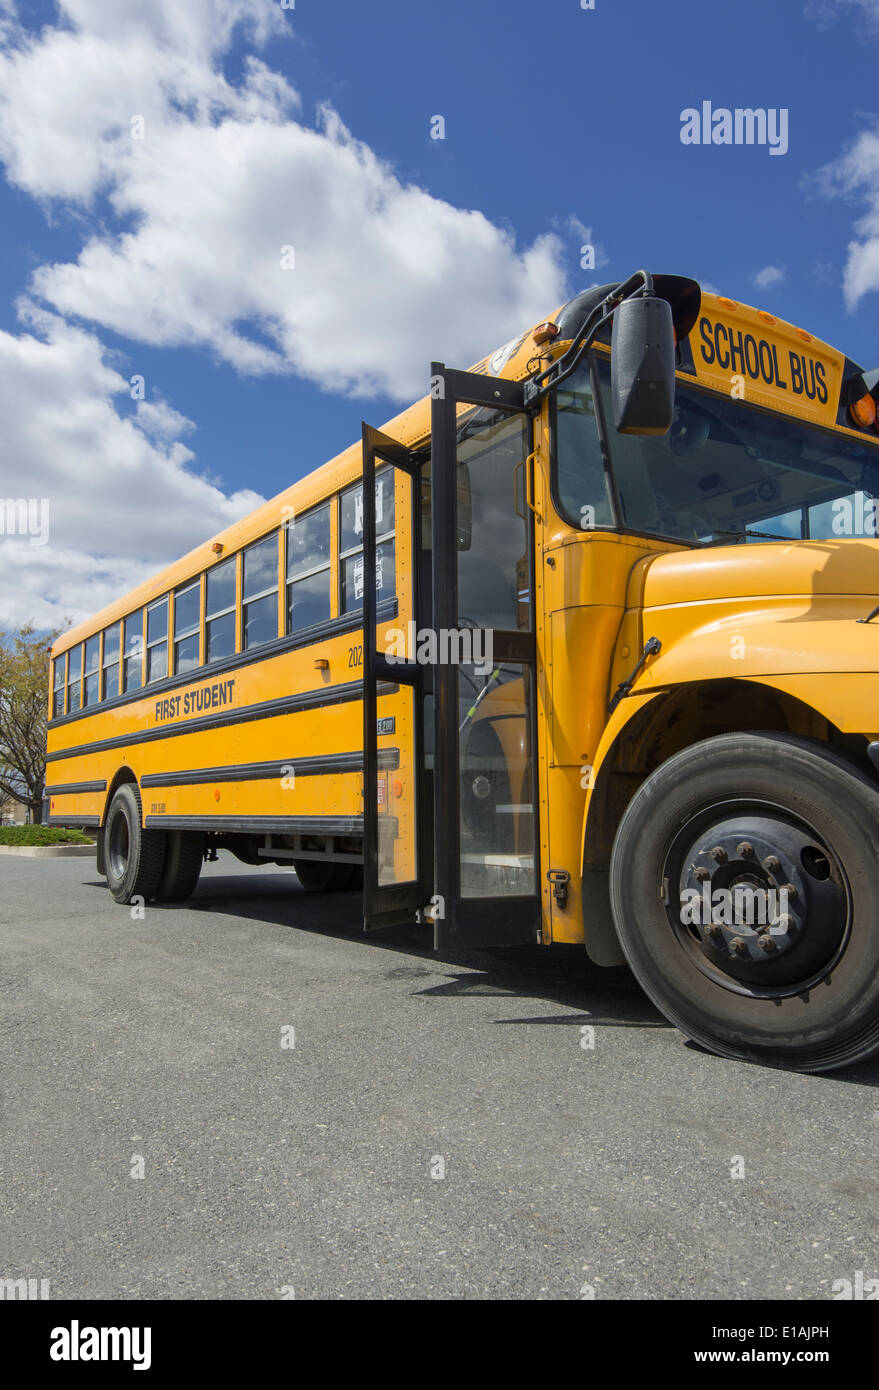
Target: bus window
<point x="92" y="684"/>
<point x="220" y="611"/>
<point x="351" y="542"/>
<point x="111" y="663"/>
<point x="133" y="649"/>
<point x="260" y="593"/>
<point x="74" y="672"/>
<point x="58" y="686"/>
<point x="187" y="627"/>
<point x="308" y="570"/>
<point x="157" y="641"/>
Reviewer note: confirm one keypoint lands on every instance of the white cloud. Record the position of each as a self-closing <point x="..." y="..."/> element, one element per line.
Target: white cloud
<point x="768" y="277"/>
<point x="824" y="12"/>
<point x="185" y="230"/>
<point x="119" y="503"/>
<point x="855" y="175"/>
<point x="386" y="276"/>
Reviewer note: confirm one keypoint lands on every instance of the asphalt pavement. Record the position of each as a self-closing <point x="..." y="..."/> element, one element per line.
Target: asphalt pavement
<point x="247" y="1098"/>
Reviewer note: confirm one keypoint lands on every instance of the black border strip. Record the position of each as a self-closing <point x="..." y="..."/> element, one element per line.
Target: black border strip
<point x="76" y="822"/>
<point x="309" y="636"/>
<point x="320" y="766"/>
<point x="264" y="825"/>
<point x="74" y="788"/>
<point x="244" y="714"/>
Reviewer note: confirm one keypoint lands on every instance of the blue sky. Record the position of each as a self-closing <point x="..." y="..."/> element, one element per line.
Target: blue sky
<point x="558" y="119"/>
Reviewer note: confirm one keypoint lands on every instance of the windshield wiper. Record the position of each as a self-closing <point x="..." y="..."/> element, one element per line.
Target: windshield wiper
<point x="742" y="535"/>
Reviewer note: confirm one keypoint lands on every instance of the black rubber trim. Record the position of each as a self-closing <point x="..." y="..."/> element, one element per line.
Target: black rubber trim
<point x="244" y="714"/>
<point x="264" y="825"/>
<point x="74" y="788"/>
<point x="320" y="766"/>
<point x="75" y="822"/>
<point x="319" y="632"/>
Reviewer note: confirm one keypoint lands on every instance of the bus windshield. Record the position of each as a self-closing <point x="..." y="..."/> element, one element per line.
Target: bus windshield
<point x="726" y="471"/>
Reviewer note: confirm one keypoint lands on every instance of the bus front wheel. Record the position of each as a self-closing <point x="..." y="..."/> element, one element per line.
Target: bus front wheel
<point x="133" y="857"/>
<point x="744" y="890"/>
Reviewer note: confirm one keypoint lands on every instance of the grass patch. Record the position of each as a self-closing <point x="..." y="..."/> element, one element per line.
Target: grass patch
<point x="41" y="835"/>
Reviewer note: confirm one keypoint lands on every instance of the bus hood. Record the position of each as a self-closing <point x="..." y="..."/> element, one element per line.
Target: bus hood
<point x="819" y="570"/>
<point x="782" y="614"/>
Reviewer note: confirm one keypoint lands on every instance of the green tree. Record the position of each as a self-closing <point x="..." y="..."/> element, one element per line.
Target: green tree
<point x="24" y="694"/>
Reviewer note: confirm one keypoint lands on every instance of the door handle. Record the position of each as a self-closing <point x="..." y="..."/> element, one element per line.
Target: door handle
<point x="530" y="463"/>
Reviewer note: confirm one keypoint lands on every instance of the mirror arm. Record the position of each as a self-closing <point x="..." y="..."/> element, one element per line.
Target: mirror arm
<point x="640" y="283"/>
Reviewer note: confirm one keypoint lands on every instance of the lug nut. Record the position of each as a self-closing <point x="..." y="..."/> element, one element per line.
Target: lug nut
<point x="718" y="854"/>
<point x="789" y="890"/>
<point x="767" y="944"/>
<point x="701" y="874"/>
<point x="745" y="849"/>
<point x="739" y="946"/>
<point x="714" y="931"/>
<point x="771" y="863"/>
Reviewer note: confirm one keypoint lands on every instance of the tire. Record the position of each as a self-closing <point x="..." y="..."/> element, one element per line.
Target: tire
<point x="184" y="856"/>
<point x="134" y="857"/>
<point x="797" y="984"/>
<point x="322" y="875"/>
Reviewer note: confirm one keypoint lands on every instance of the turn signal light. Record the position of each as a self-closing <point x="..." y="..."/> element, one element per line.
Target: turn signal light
<point x="863" y="412"/>
<point x="217" y="547"/>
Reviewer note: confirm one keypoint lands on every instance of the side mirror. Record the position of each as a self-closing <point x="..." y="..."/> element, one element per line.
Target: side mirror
<point x="642" y="366"/>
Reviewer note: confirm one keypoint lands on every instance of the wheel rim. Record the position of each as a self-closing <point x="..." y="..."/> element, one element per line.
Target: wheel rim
<point x="758" y="900"/>
<point x="119" y="846"/>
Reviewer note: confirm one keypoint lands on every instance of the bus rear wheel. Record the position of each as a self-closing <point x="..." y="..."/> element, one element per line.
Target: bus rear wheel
<point x="323" y="875"/>
<point x="743" y="887"/>
<point x="133" y="857"/>
<point x="184" y="856"/>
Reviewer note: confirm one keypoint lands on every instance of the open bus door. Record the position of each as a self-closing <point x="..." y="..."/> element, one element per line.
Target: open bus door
<point x="486" y="858"/>
<point x="395" y="866"/>
<point x="450" y="787"/>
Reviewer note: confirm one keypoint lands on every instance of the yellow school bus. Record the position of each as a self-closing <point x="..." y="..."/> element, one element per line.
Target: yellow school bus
<point x="582" y="647"/>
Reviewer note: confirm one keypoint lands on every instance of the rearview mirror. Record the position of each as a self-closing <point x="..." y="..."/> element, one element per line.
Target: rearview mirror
<point x="642" y="366"/>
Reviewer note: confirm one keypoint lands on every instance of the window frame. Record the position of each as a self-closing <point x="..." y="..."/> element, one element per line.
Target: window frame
<point x="192" y="631"/>
<point x="59" y="664"/>
<point x="246" y="602"/>
<point x="70" y="708"/>
<point x="353" y="551"/>
<point x="108" y="665"/>
<point x="97" y="673"/>
<point x="232" y="608"/>
<point x="325" y="566"/>
<point x="141" y="652"/>
<point x="158" y="641"/>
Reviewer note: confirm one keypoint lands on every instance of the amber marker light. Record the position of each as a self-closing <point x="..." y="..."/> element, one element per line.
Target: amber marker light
<point x="217" y="547"/>
<point x="863" y="412"/>
<point x="545" y="332"/>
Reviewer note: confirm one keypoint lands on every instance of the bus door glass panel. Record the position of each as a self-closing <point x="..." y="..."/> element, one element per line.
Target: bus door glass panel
<point x="495" y="757"/>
